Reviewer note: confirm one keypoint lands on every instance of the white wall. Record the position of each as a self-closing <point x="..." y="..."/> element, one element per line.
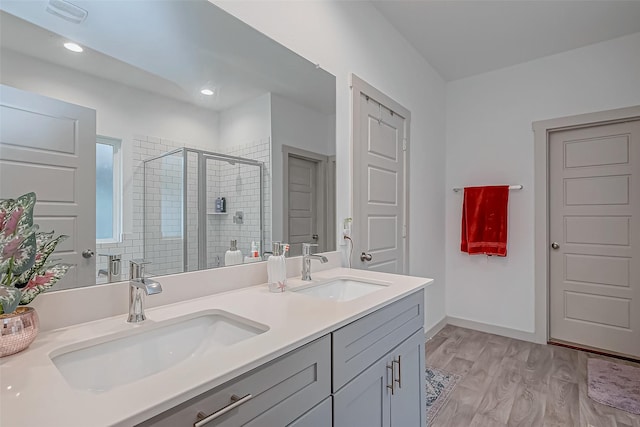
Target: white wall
<point x="246" y="122"/>
<point x="352" y="37"/>
<point x="490" y="141"/>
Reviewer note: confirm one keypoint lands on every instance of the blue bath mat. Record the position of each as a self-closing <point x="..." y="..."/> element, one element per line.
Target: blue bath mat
<point x="439" y="386"/>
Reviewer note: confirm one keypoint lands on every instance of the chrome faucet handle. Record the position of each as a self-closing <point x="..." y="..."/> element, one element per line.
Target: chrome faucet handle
<point x="306" y="248"/>
<point x="136" y="268"/>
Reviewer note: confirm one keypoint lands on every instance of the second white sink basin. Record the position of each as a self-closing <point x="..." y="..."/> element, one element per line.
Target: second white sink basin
<point x="101" y="364"/>
<point x="342" y="289"/>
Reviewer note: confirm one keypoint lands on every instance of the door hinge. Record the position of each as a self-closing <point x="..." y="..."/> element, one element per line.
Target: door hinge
<point x="404" y="145"/>
<point x="404" y="230"/>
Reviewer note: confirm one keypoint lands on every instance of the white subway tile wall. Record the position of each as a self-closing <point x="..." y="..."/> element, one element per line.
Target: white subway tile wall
<point x="162" y="229"/>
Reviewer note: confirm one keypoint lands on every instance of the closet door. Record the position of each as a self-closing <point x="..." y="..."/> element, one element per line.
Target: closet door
<point x="594" y="258"/>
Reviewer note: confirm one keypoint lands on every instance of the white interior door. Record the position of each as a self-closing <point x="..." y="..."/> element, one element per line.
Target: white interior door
<point x="302" y="209"/>
<point x="49" y="147"/>
<point x="594" y="180"/>
<point x="379" y="188"/>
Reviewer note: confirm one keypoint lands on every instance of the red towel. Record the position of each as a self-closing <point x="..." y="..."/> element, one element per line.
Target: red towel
<point x="484" y="220"/>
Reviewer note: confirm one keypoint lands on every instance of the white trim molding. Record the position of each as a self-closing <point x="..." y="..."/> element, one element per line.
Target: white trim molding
<point x="542" y="130"/>
<point x="492" y="329"/>
<point x="432" y="331"/>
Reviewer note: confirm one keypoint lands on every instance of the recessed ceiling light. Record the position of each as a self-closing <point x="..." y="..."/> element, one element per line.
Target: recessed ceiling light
<point x="207" y="92"/>
<point x="73" y="47"/>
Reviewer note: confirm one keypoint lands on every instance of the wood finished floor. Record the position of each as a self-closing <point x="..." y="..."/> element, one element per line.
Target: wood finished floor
<point x="507" y="382"/>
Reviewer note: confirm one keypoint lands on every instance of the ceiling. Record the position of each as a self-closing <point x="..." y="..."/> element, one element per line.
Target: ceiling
<point x="463" y="38"/>
<point x="173" y="48"/>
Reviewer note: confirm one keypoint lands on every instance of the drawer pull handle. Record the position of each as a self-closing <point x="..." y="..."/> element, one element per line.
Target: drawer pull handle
<point x="399" y="380"/>
<point x="236" y="401"/>
<point x="393" y="376"/>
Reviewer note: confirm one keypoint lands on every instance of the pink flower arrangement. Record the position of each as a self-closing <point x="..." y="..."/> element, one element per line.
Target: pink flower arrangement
<point x="25" y="267"/>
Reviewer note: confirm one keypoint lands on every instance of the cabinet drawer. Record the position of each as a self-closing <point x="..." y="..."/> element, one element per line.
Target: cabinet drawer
<point x="359" y="344"/>
<point x="320" y="416"/>
<point x="279" y="393"/>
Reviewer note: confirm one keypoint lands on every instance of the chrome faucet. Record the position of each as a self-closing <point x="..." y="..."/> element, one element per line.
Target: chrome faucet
<point x="138" y="288"/>
<point x="307" y="256"/>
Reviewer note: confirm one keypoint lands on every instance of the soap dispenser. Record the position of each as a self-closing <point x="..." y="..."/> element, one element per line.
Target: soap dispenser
<point x="233" y="256"/>
<point x="277" y="269"/>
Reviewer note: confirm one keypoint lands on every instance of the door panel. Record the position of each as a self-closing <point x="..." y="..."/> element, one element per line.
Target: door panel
<point x="594" y="207"/>
<point x="364" y="402"/>
<point x="50" y="146"/>
<point x="303" y="215"/>
<point x="408" y="403"/>
<point x="379" y="188"/>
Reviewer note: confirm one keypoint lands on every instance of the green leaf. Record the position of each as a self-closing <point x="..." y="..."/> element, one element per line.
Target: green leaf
<point x="9" y="299"/>
<point x="46" y="244"/>
<point x="42" y="281"/>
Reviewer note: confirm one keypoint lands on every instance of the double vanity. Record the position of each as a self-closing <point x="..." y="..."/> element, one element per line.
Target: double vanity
<point x="346" y="349"/>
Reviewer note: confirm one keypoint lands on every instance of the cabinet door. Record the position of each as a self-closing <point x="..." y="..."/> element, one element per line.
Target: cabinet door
<point x="272" y="395"/>
<point x="408" y="402"/>
<point x="320" y="416"/>
<point x="364" y="402"/>
<point x="359" y="344"/>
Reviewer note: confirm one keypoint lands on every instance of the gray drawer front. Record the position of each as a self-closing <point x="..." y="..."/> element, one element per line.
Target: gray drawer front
<point x="281" y="392"/>
<point x="359" y="344"/>
<point x="320" y="416"/>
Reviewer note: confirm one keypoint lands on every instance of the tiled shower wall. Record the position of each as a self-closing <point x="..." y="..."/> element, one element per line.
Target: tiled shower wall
<point x="239" y="184"/>
<point x="164" y="243"/>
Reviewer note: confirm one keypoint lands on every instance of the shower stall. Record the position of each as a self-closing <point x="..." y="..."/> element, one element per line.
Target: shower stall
<point x="195" y="202"/>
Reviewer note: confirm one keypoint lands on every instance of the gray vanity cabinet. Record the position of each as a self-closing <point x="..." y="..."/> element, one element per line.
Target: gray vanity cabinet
<point x="276" y="394"/>
<point x="369" y="373"/>
<point x="408" y="400"/>
<point x="369" y="401"/>
<point x="380" y="358"/>
<point x="364" y="402"/>
<point x="320" y="416"/>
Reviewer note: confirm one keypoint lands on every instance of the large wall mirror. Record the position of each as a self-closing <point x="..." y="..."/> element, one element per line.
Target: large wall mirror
<point x="175" y="131"/>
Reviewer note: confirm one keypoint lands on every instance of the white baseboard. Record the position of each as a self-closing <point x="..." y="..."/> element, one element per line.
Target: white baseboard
<point x="492" y="329"/>
<point x="435" y="329"/>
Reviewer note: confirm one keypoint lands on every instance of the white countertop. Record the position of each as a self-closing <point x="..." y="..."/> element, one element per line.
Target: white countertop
<point x="34" y="393"/>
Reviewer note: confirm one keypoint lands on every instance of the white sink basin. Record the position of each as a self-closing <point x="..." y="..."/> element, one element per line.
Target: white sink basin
<point x="101" y="364"/>
<point x="342" y="289"/>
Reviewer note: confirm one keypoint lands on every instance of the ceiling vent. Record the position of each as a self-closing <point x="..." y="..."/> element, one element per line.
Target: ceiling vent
<point x="67" y="11"/>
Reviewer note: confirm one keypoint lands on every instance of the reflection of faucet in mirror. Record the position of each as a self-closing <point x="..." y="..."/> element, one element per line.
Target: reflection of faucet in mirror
<point x="138" y="288"/>
<point x="113" y="270"/>
<point x="307" y="256"/>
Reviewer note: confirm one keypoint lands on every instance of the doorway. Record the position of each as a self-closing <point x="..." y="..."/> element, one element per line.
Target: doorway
<point x="591" y="248"/>
<point x="380" y="180"/>
<point x="308" y="199"/>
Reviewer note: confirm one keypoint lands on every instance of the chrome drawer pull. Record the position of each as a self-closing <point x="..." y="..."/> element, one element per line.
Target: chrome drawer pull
<point x="393" y="376"/>
<point x="399" y="380"/>
<point x="236" y="401"/>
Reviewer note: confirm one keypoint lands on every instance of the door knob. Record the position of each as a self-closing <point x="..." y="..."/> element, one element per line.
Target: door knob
<point x="315" y="237"/>
<point x="555" y="245"/>
<point x="88" y="253"/>
<point x="365" y="257"/>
